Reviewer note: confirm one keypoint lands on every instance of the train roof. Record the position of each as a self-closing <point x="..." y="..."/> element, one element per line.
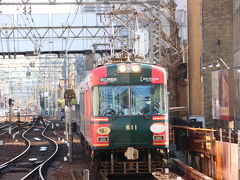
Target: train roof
<point x="108" y="75"/>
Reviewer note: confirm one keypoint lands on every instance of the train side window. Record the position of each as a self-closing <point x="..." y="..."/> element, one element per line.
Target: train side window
<point x="164" y="99"/>
<point x="82" y="103"/>
<point x="87" y="102"/>
<point x="95" y="102"/>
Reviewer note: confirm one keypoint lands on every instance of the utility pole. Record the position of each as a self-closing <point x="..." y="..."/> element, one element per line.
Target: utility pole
<point x="194" y="57"/>
<point x="69" y="95"/>
<point x="10" y="103"/>
<point x="65" y="88"/>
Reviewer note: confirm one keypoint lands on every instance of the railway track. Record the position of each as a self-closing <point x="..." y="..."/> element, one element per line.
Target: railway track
<point x="3" y="126"/>
<point x="32" y="163"/>
<point x="5" y="129"/>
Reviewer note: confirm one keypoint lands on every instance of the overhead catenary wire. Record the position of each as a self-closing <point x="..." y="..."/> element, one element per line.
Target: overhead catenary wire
<point x="71" y="25"/>
<point x="68" y="16"/>
<point x="68" y="48"/>
<point x="1" y="40"/>
<point x="39" y="35"/>
<point x="37" y="42"/>
<point x="26" y="26"/>
<point x="8" y="44"/>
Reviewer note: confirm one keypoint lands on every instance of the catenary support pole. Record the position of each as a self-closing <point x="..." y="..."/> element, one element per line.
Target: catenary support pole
<point x="194" y="57"/>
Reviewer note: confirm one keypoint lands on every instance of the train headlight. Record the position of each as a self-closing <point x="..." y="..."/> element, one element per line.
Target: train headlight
<point x="136" y="68"/>
<point x="157" y="128"/>
<point x="103" y="130"/>
<point x="122" y="68"/>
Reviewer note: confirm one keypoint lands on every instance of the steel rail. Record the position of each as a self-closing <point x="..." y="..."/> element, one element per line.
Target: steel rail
<point x="58" y="135"/>
<point x="20" y="155"/>
<point x="31" y="174"/>
<point x="4" y="126"/>
<point x="7" y="131"/>
<point x="14" y="127"/>
<point x="50" y="158"/>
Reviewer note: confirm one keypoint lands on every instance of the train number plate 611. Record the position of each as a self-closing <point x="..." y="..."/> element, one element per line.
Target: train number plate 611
<point x="131" y="127"/>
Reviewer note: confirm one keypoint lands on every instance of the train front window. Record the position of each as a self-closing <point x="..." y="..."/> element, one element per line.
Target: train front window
<point x="147" y="100"/>
<point x="114" y="100"/>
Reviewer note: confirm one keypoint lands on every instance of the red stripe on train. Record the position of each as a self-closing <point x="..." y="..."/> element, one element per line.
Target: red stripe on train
<point x="99" y="119"/>
<point x="95" y="135"/>
<point x="97" y="74"/>
<point x="165" y="134"/>
<point x="160" y="118"/>
<point x="159" y="75"/>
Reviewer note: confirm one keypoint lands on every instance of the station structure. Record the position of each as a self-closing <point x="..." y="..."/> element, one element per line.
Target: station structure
<point x="45" y="56"/>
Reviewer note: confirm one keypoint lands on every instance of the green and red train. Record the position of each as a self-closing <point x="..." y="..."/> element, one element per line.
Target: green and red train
<point x="124" y="117"/>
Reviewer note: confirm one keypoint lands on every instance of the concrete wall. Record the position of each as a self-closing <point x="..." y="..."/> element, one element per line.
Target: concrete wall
<point x="236" y="57"/>
<point x="217" y="41"/>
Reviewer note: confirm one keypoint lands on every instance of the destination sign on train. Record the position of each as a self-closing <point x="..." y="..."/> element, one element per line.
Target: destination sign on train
<point x="108" y="79"/>
<point x="148" y="79"/>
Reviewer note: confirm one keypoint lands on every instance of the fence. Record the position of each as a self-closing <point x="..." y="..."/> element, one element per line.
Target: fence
<point x="213" y="152"/>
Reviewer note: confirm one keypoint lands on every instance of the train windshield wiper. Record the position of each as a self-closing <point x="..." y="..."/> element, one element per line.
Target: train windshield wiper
<point x="145" y="115"/>
<point x="115" y="116"/>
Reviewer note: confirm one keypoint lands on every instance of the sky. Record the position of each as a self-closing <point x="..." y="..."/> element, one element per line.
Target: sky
<point x="59" y="16"/>
<point x="182" y="4"/>
<point x="59" y="9"/>
<point x="40" y="9"/>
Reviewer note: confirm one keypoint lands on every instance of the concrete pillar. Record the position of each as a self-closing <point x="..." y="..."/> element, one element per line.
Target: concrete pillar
<point x="194" y="56"/>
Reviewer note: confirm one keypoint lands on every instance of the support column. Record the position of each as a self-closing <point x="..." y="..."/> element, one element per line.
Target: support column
<point x="69" y="95"/>
<point x="155" y="41"/>
<point x="231" y="95"/>
<point x="194" y="57"/>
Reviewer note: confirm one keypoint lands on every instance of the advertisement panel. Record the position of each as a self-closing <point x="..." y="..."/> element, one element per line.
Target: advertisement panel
<point x="220" y="95"/>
